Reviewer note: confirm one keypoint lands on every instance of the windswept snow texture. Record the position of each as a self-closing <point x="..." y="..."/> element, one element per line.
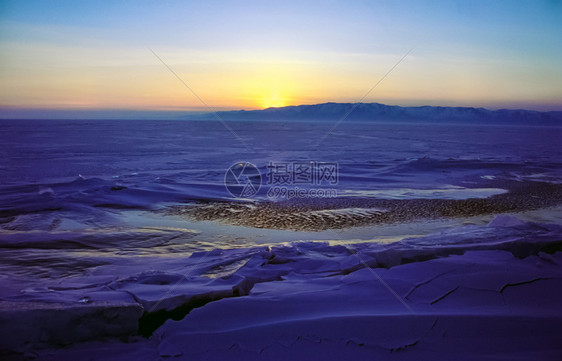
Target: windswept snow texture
<point x="476" y="291"/>
<point x="94" y="266"/>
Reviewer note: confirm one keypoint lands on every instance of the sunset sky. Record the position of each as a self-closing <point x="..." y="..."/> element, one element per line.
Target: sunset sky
<point x="257" y="54"/>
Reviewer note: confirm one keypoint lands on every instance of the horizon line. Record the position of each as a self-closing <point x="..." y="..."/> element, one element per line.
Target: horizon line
<point x="197" y="109"/>
<point x="16" y="112"/>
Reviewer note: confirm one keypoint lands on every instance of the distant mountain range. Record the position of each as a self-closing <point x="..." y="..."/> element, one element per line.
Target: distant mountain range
<point x="382" y="112"/>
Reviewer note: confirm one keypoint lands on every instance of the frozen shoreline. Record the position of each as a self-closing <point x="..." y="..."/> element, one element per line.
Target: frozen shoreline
<point x="463" y="293"/>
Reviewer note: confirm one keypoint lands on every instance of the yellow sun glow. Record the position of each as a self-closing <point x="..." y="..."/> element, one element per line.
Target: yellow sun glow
<point x="274" y="100"/>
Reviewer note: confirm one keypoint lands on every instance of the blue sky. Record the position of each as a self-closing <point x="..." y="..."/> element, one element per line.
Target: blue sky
<point x="254" y="54"/>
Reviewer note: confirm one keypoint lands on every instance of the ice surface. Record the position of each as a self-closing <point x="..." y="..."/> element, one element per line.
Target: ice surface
<point x="443" y="193"/>
<point x="90" y="260"/>
<point x="504" y="220"/>
<point x="310" y="300"/>
<point x="47" y="323"/>
<point x="312" y="297"/>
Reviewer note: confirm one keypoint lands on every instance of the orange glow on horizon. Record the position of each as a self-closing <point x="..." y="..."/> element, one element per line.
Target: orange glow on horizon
<point x="138" y="81"/>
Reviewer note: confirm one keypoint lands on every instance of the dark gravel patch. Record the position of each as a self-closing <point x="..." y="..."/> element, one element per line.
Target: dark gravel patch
<point x="303" y="214"/>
